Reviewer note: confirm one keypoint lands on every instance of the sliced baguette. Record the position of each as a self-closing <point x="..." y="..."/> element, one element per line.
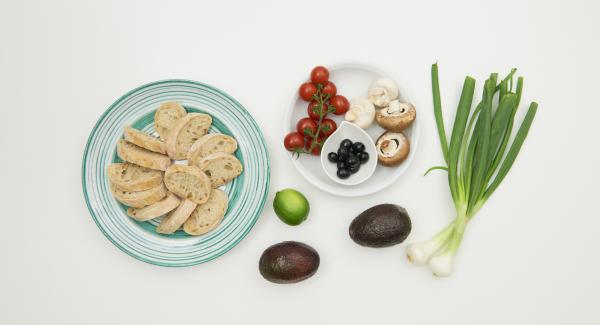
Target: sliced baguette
<point x="209" y="144"/>
<point x="130" y="177"/>
<point x="162" y="207"/>
<point x="166" y="116"/>
<point x="142" y="157"/>
<point x="139" y="199"/>
<point x="175" y="219"/>
<point x="220" y="168"/>
<point x="188" y="182"/>
<point x="207" y="216"/>
<point x="185" y="132"/>
<point x="144" y="140"/>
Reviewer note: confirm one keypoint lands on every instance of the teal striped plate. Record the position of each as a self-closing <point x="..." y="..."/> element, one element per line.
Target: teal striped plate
<point x="247" y="193"/>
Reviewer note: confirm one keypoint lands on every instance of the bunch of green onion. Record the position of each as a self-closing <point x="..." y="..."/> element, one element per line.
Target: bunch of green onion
<point x="477" y="159"/>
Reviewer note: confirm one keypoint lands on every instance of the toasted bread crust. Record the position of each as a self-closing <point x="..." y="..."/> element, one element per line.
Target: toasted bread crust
<point x="207" y="216"/>
<point x="175" y="219"/>
<point x="220" y="168"/>
<point x="142" y="157"/>
<point x="185" y="132"/>
<point x="157" y="209"/>
<point x="131" y="177"/>
<point x="144" y="140"/>
<point x="188" y="182"/>
<point x="139" y="199"/>
<point x="166" y="116"/>
<point x="209" y="144"/>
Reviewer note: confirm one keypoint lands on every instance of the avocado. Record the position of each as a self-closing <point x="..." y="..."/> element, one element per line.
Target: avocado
<point x="288" y="262"/>
<point x="383" y="225"/>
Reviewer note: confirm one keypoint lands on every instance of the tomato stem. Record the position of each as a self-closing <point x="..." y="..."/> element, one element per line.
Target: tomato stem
<point x="323" y="111"/>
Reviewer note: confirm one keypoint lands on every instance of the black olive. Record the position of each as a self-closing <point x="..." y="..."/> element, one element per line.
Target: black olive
<point x="354" y="168"/>
<point x="333" y="157"/>
<point x="353" y="161"/>
<point x="343" y="173"/>
<point x="342" y="153"/>
<point x="363" y="157"/>
<point x="346" y="143"/>
<point x="358" y="147"/>
<point x="341" y="164"/>
<point x="351" y="155"/>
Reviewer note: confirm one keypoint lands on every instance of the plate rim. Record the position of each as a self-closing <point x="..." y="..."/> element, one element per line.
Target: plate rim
<point x="357" y="191"/>
<point x="111" y="108"/>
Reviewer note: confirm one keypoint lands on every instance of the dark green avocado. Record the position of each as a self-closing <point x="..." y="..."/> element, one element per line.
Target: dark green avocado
<point x="383" y="225"/>
<point x="288" y="262"/>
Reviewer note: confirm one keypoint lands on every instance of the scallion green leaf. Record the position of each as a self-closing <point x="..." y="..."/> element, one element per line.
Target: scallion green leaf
<point x="514" y="149"/>
<point x="437" y="110"/>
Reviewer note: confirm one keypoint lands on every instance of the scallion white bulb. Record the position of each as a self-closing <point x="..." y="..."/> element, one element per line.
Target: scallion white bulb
<point x="442" y="264"/>
<point x="420" y="253"/>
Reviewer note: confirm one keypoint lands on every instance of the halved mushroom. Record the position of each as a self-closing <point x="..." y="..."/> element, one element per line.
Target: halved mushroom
<point x="361" y="113"/>
<point x="392" y="148"/>
<point x="383" y="91"/>
<point x="397" y="116"/>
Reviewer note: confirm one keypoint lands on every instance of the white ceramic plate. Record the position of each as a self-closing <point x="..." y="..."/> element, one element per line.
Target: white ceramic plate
<point x="352" y="80"/>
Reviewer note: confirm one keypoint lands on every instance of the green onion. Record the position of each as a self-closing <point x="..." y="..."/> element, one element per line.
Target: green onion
<point x="475" y="158"/>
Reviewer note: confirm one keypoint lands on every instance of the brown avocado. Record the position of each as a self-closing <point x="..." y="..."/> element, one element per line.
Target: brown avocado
<point x="383" y="225"/>
<point x="288" y="262"/>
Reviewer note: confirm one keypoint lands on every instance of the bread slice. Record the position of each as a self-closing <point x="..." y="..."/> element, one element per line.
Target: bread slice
<point x="166" y="116"/>
<point x="162" y="207"/>
<point x="209" y="144"/>
<point x="144" y="140"/>
<point x="130" y="177"/>
<point x="139" y="199"/>
<point x="207" y="216"/>
<point x="142" y="157"/>
<point x="188" y="182"/>
<point x="220" y="168"/>
<point x="185" y="132"/>
<point x="175" y="219"/>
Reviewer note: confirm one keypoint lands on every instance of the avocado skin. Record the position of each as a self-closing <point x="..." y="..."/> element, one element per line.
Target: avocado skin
<point x="383" y="225"/>
<point x="288" y="262"/>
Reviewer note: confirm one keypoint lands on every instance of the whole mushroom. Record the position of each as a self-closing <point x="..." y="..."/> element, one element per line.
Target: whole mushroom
<point x="397" y="116"/>
<point x="361" y="112"/>
<point x="392" y="148"/>
<point x="383" y="91"/>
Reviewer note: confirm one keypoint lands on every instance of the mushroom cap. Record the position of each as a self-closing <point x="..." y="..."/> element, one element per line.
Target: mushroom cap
<point x="361" y="112"/>
<point x="382" y="91"/>
<point x="392" y="148"/>
<point x="396" y="116"/>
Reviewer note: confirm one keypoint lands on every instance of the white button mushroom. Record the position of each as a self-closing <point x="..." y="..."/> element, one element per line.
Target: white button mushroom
<point x="361" y="112"/>
<point x="383" y="91"/>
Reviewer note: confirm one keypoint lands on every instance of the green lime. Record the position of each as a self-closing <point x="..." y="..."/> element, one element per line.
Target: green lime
<point x="291" y="206"/>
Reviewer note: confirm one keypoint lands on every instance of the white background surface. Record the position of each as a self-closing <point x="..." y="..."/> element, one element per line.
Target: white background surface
<point x="530" y="257"/>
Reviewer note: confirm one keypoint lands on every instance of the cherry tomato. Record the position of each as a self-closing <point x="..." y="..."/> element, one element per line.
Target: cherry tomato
<point x="319" y="75"/>
<point x="307" y="90"/>
<point x="341" y="104"/>
<point x="313" y="110"/>
<point x="316" y="150"/>
<point x="329" y="89"/>
<point x="293" y="141"/>
<point x="328" y="126"/>
<point x="306" y="124"/>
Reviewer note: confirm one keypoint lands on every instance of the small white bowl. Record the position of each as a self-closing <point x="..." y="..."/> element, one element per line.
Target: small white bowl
<point x="348" y="130"/>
